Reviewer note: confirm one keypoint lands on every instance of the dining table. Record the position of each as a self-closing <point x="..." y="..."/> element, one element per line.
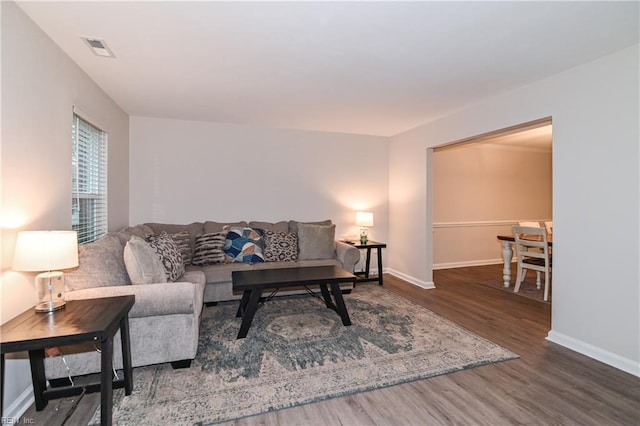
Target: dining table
<point x="507" y="242"/>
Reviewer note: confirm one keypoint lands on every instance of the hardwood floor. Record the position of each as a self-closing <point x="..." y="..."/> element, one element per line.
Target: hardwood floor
<point x="547" y="385"/>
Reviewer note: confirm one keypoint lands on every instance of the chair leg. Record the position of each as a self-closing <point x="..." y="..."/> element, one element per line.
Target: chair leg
<point x="519" y="278"/>
<point x="538" y="279"/>
<point x="546" y="286"/>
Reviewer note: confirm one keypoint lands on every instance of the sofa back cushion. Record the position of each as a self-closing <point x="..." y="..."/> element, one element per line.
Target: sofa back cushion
<point x="316" y="241"/>
<point x="142" y="263"/>
<point x="293" y="224"/>
<point x="101" y="264"/>
<point x="194" y="229"/>
<point x="282" y="226"/>
<point x="211" y="227"/>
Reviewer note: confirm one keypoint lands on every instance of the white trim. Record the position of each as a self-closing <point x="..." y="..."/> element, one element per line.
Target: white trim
<point x="428" y="285"/>
<point x="465" y="263"/>
<point x="480" y="223"/>
<point x="625" y="364"/>
<point x="20" y="406"/>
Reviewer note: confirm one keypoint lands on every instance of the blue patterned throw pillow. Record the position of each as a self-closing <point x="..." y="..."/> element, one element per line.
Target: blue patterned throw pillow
<point x="244" y="244"/>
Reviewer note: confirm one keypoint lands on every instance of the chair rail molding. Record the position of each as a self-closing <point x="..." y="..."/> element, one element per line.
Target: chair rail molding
<point x="481" y="223"/>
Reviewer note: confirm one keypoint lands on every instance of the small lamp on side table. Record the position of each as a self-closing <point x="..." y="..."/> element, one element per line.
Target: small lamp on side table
<point x="49" y="251"/>
<point x="364" y="220"/>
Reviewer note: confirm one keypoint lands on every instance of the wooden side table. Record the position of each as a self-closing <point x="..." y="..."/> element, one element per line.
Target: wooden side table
<point x="95" y="320"/>
<point x="363" y="276"/>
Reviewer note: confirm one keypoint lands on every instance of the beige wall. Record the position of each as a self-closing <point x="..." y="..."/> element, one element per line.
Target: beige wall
<point x="40" y="84"/>
<point x="184" y="171"/>
<point x="479" y="191"/>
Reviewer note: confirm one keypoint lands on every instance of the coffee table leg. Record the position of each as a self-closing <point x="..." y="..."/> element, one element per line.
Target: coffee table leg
<point x="326" y="296"/>
<point x="243" y="303"/>
<point x="36" y="359"/>
<point x="106" y="381"/>
<point x="341" y="307"/>
<point x="126" y="355"/>
<point x="249" y="312"/>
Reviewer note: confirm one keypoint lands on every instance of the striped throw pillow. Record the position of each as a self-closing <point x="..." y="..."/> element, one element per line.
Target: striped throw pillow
<point x="209" y="249"/>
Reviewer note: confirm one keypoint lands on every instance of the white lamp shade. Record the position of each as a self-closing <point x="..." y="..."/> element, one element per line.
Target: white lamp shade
<point x="364" y="219"/>
<point x="38" y="251"/>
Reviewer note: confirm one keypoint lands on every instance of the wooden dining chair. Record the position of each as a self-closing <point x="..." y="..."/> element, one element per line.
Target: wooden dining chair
<point x="532" y="252"/>
<point x="549" y="227"/>
<point x="530" y="224"/>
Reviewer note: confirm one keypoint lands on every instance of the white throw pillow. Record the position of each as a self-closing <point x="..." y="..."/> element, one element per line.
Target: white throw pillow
<point x="142" y="262"/>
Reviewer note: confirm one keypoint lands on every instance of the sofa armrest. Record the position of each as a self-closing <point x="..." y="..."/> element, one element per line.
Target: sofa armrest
<point x="151" y="299"/>
<point x="348" y="255"/>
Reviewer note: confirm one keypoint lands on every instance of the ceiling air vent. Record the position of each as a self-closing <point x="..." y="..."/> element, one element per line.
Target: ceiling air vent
<point x="98" y="47"/>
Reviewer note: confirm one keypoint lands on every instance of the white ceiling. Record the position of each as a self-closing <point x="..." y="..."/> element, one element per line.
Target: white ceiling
<point x="375" y="68"/>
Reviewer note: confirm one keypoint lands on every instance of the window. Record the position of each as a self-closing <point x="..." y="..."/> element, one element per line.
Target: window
<point x="88" y="181"/>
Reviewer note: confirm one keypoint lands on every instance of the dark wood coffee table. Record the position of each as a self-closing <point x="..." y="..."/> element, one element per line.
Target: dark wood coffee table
<point x="251" y="283"/>
<point x="94" y="320"/>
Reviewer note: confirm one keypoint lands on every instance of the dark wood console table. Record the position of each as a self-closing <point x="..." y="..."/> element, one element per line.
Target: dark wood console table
<point x="95" y="320"/>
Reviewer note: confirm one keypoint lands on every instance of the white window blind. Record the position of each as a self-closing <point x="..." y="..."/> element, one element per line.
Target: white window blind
<point x="89" y="181"/>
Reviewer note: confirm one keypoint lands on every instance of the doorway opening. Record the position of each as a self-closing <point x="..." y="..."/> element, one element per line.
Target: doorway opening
<point x="483" y="185"/>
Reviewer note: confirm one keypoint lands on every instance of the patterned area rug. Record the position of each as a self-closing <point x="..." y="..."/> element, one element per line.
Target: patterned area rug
<point x="296" y="352"/>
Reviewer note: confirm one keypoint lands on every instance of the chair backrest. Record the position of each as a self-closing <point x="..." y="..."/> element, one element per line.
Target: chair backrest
<point x="549" y="227"/>
<point x="530" y="224"/>
<point x="531" y="242"/>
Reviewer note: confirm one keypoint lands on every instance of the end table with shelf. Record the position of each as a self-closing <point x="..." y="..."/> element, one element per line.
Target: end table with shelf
<point x="94" y="320"/>
<point x="364" y="276"/>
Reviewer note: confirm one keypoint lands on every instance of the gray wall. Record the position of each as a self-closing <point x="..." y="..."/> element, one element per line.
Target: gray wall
<point x="40" y="84"/>
<point x="596" y="193"/>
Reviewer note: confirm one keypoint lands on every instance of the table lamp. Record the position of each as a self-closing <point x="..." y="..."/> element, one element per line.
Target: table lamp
<point x="48" y="251"/>
<point x="364" y="220"/>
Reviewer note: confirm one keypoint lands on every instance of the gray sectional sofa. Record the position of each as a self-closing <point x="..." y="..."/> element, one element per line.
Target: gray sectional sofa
<point x="165" y="319"/>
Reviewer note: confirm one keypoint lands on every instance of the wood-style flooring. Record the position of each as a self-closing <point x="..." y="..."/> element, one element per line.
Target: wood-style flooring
<point x="547" y="385"/>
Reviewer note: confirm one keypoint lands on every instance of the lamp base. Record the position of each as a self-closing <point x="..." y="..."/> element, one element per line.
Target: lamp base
<point x="50" y="291"/>
<point x="50" y="306"/>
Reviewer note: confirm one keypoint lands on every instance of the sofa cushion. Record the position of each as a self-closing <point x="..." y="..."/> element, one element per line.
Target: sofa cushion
<point x="244" y="244"/>
<point x="210" y="226"/>
<point x="282" y="226"/>
<point x="221" y="272"/>
<point x="169" y="255"/>
<point x="194" y="229"/>
<point x="142" y="263"/>
<point x="209" y="248"/>
<point x="142" y="231"/>
<point x="101" y="264"/>
<point x="293" y="224"/>
<point x="280" y="246"/>
<point x="316" y="241"/>
<point x="183" y="242"/>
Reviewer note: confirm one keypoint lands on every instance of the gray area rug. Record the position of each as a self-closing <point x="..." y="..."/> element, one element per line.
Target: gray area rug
<point x="296" y="352"/>
<point x="528" y="287"/>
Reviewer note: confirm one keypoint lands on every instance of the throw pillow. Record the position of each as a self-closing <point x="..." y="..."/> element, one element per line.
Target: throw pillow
<point x="209" y="248"/>
<point x="183" y="243"/>
<point x="244" y="244"/>
<point x="280" y="246"/>
<point x="169" y="255"/>
<point x="142" y="262"/>
<point x="316" y="241"/>
<point x="100" y="264"/>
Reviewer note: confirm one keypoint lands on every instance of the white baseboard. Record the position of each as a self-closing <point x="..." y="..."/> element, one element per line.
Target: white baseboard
<point x="609" y="358"/>
<point x="466" y="263"/>
<point x="422" y="284"/>
<point x="17" y="408"/>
